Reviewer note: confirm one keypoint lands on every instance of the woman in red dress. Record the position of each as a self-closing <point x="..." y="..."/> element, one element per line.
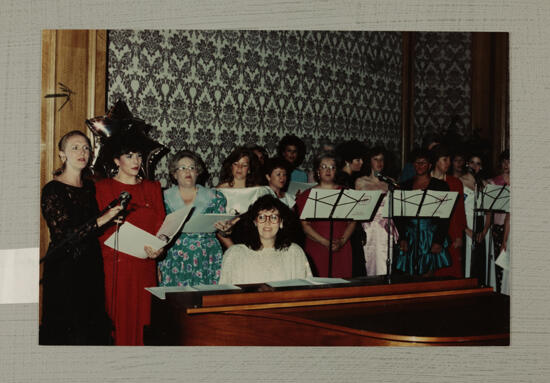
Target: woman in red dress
<point x="318" y="231"/>
<point x="127" y="301"/>
<point x="441" y="161"/>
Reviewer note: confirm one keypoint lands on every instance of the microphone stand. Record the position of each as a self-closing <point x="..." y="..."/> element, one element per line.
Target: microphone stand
<point x="391" y="189"/>
<point x="331" y="224"/>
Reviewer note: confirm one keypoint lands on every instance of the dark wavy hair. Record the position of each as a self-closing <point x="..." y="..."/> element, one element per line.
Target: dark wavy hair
<point x="420" y="153"/>
<point x="439" y="151"/>
<point x="272" y="164"/>
<point x="202" y="173"/>
<point x="291" y="139"/>
<point x="121" y="144"/>
<point x="253" y="176"/>
<point x="261" y="149"/>
<point x="350" y="150"/>
<point x="504" y="155"/>
<point x="283" y="238"/>
<point x="62" y="145"/>
<point x="366" y="169"/>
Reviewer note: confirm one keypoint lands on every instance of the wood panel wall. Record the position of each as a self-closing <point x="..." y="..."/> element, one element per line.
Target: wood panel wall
<point x="490" y="90"/>
<point x="77" y="59"/>
<point x="490" y="97"/>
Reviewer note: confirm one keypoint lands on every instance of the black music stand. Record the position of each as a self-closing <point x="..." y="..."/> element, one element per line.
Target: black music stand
<point x="342" y="204"/>
<point x="494" y="199"/>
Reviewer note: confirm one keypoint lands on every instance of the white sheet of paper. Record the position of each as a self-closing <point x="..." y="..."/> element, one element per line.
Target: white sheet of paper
<point x="204" y="223"/>
<point x="201" y="287"/>
<point x="239" y="199"/>
<point x="289" y="283"/>
<point x="132" y="239"/>
<point x="173" y="221"/>
<point x="503" y="260"/>
<point x="354" y="204"/>
<point x="294" y="186"/>
<point x="326" y="281"/>
<point x="436" y="203"/>
<point x="160" y="291"/>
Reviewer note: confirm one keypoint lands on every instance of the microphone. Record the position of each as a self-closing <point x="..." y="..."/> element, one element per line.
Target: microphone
<point x="386" y="179"/>
<point x="123" y="199"/>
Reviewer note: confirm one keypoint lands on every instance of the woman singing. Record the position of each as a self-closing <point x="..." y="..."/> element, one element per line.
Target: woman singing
<point x="423" y="240"/>
<point x="376" y="247"/>
<point x="318" y="231"/>
<point x="126" y="276"/>
<point x="441" y="163"/>
<point x="268" y="253"/>
<point x="195" y="257"/>
<point x="73" y="299"/>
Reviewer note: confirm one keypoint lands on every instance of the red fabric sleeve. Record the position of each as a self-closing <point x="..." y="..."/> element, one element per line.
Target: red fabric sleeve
<point x="158" y="203"/>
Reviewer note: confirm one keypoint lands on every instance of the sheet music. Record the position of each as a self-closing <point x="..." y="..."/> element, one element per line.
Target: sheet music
<point x="173" y="222"/>
<point x="132" y="239"/>
<point x="202" y="287"/>
<point x="435" y="203"/>
<point x="306" y="282"/>
<point x="160" y="291"/>
<point x="438" y="204"/>
<point x="495" y="197"/>
<point x="326" y="281"/>
<point x="503" y="260"/>
<point x="353" y="204"/>
<point x="204" y="223"/>
<point x="290" y="283"/>
<point x="240" y="199"/>
<point x="294" y="186"/>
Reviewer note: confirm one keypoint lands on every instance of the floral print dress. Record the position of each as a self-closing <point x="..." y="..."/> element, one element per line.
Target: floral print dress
<point x="195" y="258"/>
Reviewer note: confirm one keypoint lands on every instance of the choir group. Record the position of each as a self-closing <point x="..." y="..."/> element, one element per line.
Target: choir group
<point x="94" y="294"/>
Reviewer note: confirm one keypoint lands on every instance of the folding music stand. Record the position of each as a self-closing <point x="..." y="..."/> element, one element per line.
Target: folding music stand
<point x="419" y="204"/>
<point x="494" y="199"/>
<point x="342" y="204"/>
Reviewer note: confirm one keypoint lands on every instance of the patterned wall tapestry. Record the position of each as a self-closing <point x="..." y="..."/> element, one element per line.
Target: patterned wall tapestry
<point x="212" y="90"/>
<point x="442" y="83"/>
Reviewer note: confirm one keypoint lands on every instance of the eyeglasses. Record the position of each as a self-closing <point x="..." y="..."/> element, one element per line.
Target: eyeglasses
<point x="240" y="165"/>
<point x="325" y="167"/>
<point x="191" y="168"/>
<point x="273" y="218"/>
<point x="421" y="162"/>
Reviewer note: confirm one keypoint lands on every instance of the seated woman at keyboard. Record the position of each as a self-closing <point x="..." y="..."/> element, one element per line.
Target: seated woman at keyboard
<point x="268" y="253"/>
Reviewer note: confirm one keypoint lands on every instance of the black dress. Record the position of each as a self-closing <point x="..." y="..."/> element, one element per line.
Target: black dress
<point x="73" y="298"/>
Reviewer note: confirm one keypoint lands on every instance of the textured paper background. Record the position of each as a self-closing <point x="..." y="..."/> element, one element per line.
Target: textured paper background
<point x="21" y="360"/>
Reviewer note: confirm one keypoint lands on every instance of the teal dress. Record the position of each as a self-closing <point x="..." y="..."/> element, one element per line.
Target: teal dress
<point x="195" y="257"/>
<point x="420" y="234"/>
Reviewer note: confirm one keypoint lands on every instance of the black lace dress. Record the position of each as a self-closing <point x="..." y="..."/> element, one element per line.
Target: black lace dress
<point x="73" y="298"/>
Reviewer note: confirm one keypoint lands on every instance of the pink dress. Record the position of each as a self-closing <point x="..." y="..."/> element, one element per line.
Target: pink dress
<point x="376" y="248"/>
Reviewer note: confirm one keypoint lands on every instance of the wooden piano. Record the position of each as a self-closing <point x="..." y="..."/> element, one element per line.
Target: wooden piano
<point x="367" y="312"/>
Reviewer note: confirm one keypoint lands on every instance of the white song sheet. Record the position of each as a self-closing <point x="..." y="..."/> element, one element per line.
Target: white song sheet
<point x="294" y="187"/>
<point x="495" y="198"/>
<point x="204" y="223"/>
<point x="420" y="203"/>
<point x="239" y="199"/>
<point x="132" y="240"/>
<point x="353" y="204"/>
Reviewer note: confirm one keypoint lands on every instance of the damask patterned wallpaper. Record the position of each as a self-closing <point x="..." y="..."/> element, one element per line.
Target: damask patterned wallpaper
<point x="442" y="83"/>
<point x="209" y="91"/>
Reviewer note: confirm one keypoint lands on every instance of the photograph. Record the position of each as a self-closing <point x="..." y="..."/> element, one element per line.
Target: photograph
<point x="235" y="187"/>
